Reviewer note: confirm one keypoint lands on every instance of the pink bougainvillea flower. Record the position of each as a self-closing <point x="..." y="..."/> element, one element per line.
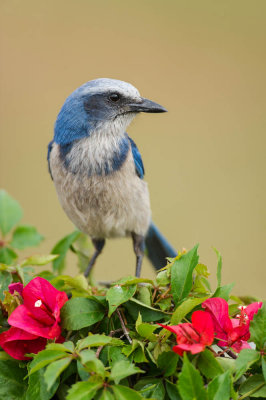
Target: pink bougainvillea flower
<point x="17" y="343"/>
<point x="231" y="332"/>
<point x="193" y="336"/>
<point x="40" y="313"/>
<point x="18" y="287"/>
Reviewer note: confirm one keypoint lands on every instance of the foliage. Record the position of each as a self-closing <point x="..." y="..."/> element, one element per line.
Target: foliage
<point x="115" y="345"/>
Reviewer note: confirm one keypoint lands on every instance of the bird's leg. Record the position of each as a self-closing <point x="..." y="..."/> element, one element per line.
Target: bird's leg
<point x="98" y="244"/>
<point x="138" y="245"/>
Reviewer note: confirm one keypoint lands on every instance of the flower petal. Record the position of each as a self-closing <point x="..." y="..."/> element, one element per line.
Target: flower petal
<point x="172" y="328"/>
<point x="21" y="318"/>
<point x="52" y="300"/>
<point x="193" y="348"/>
<point x="240" y="345"/>
<point x="17" y="343"/>
<point x="17" y="286"/>
<point x="202" y="323"/>
<point x="252" y="309"/>
<point x="185" y="333"/>
<point x="218" y="309"/>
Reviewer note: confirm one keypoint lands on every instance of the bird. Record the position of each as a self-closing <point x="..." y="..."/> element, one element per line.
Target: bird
<point x="98" y="171"/>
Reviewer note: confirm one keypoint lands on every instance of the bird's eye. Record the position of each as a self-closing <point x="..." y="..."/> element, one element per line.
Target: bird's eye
<point x="114" y="97"/>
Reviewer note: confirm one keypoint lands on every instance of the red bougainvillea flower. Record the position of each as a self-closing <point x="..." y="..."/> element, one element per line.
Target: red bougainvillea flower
<point x="40" y="313"/>
<point x="231" y="332"/>
<point x="17" y="343"/>
<point x="18" y="287"/>
<point x="193" y="336"/>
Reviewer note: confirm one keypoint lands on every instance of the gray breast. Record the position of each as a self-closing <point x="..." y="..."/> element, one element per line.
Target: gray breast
<point x="100" y="201"/>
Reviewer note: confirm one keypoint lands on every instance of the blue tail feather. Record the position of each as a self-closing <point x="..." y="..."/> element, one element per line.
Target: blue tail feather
<point x="158" y="247"/>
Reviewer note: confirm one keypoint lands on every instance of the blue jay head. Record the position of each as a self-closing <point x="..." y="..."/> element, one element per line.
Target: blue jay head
<point x="100" y="104"/>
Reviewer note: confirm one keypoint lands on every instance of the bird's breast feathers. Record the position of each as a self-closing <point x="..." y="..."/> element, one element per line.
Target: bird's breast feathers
<point x="98" y="187"/>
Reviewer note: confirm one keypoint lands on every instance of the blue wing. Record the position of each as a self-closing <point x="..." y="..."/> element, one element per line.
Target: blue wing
<point x="137" y="159"/>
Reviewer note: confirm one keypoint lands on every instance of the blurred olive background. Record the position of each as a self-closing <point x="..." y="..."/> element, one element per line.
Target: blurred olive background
<point x="205" y="61"/>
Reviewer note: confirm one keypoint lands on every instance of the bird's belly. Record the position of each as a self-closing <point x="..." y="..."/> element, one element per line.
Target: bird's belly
<point x="104" y="206"/>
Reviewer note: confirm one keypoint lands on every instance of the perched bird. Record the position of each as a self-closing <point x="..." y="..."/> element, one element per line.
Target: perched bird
<point x="98" y="171"/>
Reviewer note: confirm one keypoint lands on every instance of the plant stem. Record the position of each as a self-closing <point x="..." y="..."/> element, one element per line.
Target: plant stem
<point x="124" y="326"/>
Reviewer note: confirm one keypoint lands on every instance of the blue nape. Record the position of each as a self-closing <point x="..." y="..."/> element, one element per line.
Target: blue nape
<point x="72" y="121"/>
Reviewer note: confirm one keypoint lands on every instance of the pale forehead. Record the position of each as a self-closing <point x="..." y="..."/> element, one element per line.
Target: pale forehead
<point x="103" y="85"/>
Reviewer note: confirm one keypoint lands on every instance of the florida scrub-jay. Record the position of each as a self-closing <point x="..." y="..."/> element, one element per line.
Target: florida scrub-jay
<point x="98" y="171"/>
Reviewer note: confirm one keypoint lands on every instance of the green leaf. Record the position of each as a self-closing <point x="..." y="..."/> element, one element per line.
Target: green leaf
<point x="186" y="307"/>
<point x="92" y="363"/>
<point x="181" y="274"/>
<point x="83" y="374"/>
<point x="123" y="393"/>
<point x="61" y="248"/>
<point x="79" y="312"/>
<point x="132" y="280"/>
<point x="208" y="365"/>
<point x="148" y="313"/>
<point x="167" y="361"/>
<point x="83" y="390"/>
<point x="7" y="255"/>
<point x="5" y="280"/>
<point x="220" y="387"/>
<point x="163" y="278"/>
<point x="117" y="295"/>
<point x="98" y="340"/>
<point x="258" y="328"/>
<point x="12" y="383"/>
<point x="5" y="356"/>
<point x="146" y="330"/>
<point x="135" y="351"/>
<point x="114" y="354"/>
<point x="66" y="347"/>
<point x="44" y="358"/>
<point x="190" y="383"/>
<point x="224" y="291"/>
<point x="122" y="369"/>
<point x="228" y="364"/>
<point x="263" y="364"/>
<point x="201" y="269"/>
<point x="254" y="386"/>
<point x="10" y="212"/>
<point x="172" y="391"/>
<point x="106" y="395"/>
<point x="144" y="295"/>
<point x="37" y="388"/>
<point x="78" y="285"/>
<point x="246" y="358"/>
<point x="154" y="391"/>
<point x="55" y="369"/>
<point x="39" y="260"/>
<point x="25" y="236"/>
<point x="219" y="267"/>
<point x="83" y="249"/>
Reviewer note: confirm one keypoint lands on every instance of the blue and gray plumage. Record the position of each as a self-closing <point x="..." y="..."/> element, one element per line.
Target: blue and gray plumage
<point x="98" y="171"/>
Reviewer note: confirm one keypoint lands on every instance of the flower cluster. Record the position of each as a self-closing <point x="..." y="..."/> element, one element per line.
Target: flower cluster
<point x="231" y="332"/>
<point x="34" y="321"/>
<point x="213" y="323"/>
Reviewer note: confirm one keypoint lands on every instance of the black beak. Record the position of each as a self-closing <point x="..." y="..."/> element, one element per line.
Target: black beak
<point x="147" y="106"/>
